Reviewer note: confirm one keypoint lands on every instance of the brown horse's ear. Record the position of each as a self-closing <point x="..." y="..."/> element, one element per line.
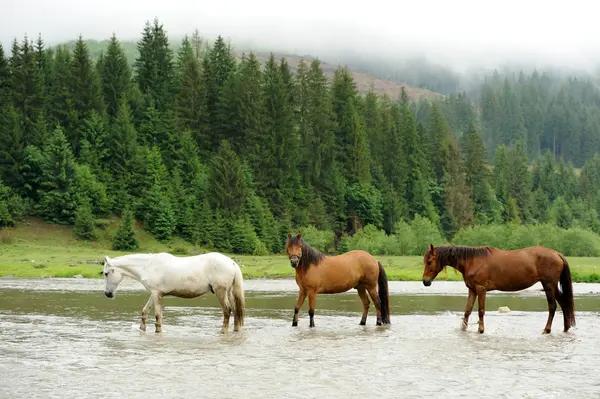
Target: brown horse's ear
<point x="299" y="235"/>
<point x="289" y="235"/>
<point x="431" y="248"/>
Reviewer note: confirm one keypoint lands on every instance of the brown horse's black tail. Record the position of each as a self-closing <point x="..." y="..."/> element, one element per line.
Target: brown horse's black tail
<point x="566" y="295"/>
<point x="384" y="295"/>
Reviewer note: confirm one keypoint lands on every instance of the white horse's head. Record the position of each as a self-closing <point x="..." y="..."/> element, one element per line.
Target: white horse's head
<point x="112" y="278"/>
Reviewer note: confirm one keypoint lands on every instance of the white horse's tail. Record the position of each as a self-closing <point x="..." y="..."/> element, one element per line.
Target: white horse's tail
<point x="238" y="296"/>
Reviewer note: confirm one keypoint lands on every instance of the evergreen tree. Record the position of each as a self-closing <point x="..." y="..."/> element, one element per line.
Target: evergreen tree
<point x="154" y="65"/>
<point x="86" y="91"/>
<point x="189" y="91"/>
<point x="217" y="68"/>
<point x="11" y="147"/>
<point x="352" y="146"/>
<point x="115" y="75"/>
<point x="27" y="90"/>
<point x="62" y="111"/>
<point x="58" y="200"/>
<point x="125" y="239"/>
<point x="84" y="222"/>
<point x="227" y="187"/>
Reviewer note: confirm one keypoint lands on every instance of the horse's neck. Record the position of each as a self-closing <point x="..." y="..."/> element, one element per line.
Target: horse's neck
<point x="132" y="266"/>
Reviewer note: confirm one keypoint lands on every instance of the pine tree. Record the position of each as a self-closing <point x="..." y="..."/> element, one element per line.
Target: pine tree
<point x="217" y="68"/>
<point x="58" y="201"/>
<point x="478" y="174"/>
<point x="115" y="75"/>
<point x="4" y="79"/>
<point x="122" y="144"/>
<point x="84" y="222"/>
<point x="352" y="146"/>
<point x="11" y="147"/>
<point x="154" y="66"/>
<point x="62" y="111"/>
<point x="27" y="90"/>
<point x="125" y="239"/>
<point x="189" y="91"/>
<point x="86" y="91"/>
<point x="227" y="187"/>
<point x="159" y="218"/>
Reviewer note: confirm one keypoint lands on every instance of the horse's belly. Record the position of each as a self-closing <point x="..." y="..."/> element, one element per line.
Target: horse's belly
<point x="188" y="291"/>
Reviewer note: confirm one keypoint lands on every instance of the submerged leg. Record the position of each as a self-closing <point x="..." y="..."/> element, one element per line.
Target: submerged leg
<point x="221" y="293"/>
<point x="312" y="299"/>
<point x="469" y="308"/>
<point x="158" y="311"/>
<point x="145" y="312"/>
<point x="376" y="302"/>
<point x="550" y="297"/>
<point x="481" y="293"/>
<point x="299" y="303"/>
<point x="561" y="301"/>
<point x="362" y="293"/>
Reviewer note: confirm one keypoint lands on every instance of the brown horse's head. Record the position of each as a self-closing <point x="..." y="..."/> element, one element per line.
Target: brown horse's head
<point x="293" y="247"/>
<point x="432" y="265"/>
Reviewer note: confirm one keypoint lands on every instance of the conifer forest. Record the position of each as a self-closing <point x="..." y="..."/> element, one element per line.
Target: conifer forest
<point x="233" y="152"/>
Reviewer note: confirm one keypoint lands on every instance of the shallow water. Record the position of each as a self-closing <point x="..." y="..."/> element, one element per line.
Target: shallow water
<point x="62" y="338"/>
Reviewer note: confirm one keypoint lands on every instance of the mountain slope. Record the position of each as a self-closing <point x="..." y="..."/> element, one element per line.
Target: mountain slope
<point x="364" y="81"/>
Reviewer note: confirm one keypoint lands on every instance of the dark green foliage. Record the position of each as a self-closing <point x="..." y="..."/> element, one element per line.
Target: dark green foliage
<point x="11" y="147"/>
<point x="115" y="75"/>
<point x="233" y="155"/>
<point x="154" y="66"/>
<point x="159" y="218"/>
<point x="227" y="186"/>
<point x="59" y="197"/>
<point x="125" y="239"/>
<point x="84" y="222"/>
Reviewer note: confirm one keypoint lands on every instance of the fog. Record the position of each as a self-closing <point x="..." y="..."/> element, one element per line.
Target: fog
<point x="458" y="34"/>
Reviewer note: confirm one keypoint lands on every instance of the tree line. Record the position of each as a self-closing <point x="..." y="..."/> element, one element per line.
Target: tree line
<point x="233" y="154"/>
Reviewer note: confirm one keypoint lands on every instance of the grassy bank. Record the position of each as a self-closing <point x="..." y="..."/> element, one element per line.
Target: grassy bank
<point x="37" y="249"/>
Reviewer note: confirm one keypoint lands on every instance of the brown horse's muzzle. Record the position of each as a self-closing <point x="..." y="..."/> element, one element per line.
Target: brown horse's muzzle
<point x="294" y="260"/>
<point x="426" y="282"/>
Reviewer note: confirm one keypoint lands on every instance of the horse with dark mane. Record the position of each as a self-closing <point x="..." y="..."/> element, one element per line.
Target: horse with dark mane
<point x="317" y="273"/>
<point x="487" y="268"/>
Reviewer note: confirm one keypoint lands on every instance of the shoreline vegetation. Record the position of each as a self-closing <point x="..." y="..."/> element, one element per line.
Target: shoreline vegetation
<point x="36" y="249"/>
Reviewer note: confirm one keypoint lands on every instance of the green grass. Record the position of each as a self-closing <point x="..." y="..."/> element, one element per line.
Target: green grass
<point x="37" y="249"/>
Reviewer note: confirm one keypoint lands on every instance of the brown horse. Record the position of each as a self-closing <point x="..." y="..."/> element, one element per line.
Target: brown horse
<point x="486" y="268"/>
<point x="320" y="274"/>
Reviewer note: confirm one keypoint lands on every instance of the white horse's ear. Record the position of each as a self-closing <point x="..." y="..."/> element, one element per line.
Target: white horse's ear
<point x="106" y="259"/>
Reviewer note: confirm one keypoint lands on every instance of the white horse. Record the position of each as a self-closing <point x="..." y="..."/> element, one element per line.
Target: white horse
<point x="184" y="277"/>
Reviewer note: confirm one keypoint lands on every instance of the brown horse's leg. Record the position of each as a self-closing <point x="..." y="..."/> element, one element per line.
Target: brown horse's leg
<point x="551" y="297"/>
<point x="481" y="293"/>
<point x="312" y="299"/>
<point x="376" y="302"/>
<point x="299" y="303"/>
<point x="469" y="308"/>
<point x="362" y="292"/>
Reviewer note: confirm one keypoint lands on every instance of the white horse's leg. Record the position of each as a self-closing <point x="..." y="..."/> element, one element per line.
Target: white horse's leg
<point x="158" y="311"/>
<point x="236" y="322"/>
<point x="221" y="293"/>
<point x="145" y="312"/>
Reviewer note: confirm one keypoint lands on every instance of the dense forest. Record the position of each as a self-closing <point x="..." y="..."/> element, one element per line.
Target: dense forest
<point x="233" y="155"/>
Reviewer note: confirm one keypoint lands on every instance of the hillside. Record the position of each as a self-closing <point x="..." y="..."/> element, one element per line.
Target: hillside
<point x="364" y="81"/>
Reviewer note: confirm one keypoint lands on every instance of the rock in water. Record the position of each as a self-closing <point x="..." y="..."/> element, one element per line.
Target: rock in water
<point x="503" y="309"/>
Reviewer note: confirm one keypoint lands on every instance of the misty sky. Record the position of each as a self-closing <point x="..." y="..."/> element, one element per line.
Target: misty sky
<point x="458" y="32"/>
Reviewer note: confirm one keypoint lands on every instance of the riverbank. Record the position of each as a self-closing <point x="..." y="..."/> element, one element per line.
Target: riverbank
<point x="36" y="249"/>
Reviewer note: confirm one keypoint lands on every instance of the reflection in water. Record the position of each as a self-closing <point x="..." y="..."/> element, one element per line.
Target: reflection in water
<point x="66" y="343"/>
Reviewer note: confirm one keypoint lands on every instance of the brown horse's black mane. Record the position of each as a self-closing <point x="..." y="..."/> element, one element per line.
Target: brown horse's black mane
<point x="451" y="255"/>
<point x="310" y="255"/>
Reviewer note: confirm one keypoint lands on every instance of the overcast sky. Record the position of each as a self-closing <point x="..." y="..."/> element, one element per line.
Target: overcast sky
<point x="452" y="31"/>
